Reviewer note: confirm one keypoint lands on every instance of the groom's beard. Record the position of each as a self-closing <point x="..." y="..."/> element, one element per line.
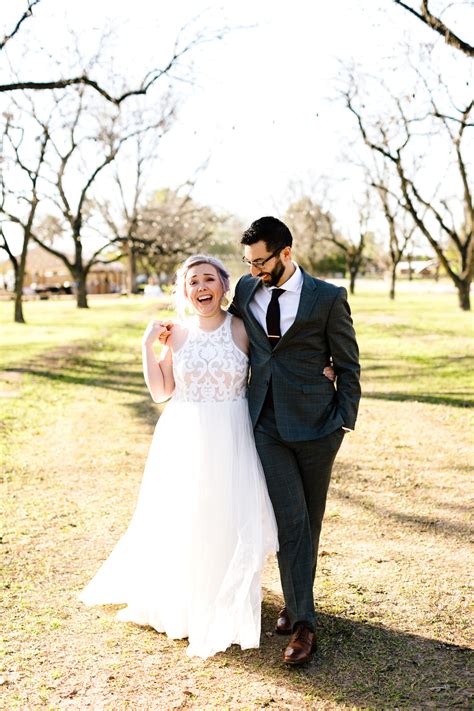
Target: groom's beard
<point x="275" y="275"/>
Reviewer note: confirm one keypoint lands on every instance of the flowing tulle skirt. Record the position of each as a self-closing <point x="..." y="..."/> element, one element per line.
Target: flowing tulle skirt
<point x="190" y="562"/>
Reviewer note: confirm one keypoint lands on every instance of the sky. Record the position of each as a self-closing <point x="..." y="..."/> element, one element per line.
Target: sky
<point x="259" y="106"/>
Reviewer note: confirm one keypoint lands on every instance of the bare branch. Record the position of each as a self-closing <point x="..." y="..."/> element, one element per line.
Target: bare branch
<point x="468" y="201"/>
<point x="5" y="246"/>
<point x="452" y="118"/>
<point x="53" y="251"/>
<point x="436" y="24"/>
<point x="25" y="15"/>
<point x="93" y="261"/>
<point x="86" y="81"/>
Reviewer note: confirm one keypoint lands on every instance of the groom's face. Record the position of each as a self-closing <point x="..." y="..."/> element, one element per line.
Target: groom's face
<point x="264" y="264"/>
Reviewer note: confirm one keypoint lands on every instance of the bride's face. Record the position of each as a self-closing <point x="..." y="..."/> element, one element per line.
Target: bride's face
<point x="204" y="289"/>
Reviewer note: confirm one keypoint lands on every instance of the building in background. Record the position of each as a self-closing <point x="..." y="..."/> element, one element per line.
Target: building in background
<point x="45" y="272"/>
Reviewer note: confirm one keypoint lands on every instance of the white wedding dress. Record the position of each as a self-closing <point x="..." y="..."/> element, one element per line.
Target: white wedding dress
<point x="190" y="562"/>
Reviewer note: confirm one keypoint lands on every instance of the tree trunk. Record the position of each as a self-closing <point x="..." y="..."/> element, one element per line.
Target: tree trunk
<point x="81" y="296"/>
<point x="393" y="279"/>
<point x="352" y="280"/>
<point x="464" y="294"/>
<point x="19" y="281"/>
<point x="132" y="270"/>
<point x="80" y="273"/>
<point x="19" y="318"/>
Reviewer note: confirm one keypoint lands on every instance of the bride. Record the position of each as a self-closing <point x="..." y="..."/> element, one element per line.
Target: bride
<point x="190" y="561"/>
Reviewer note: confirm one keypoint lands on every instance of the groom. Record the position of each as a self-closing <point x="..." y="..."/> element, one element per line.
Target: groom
<point x="296" y="325"/>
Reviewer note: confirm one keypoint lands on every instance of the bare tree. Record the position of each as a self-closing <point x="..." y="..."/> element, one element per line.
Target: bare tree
<point x="392" y="139"/>
<point x="75" y="157"/>
<point x="12" y="200"/>
<point x="172" y="226"/>
<point x="309" y="225"/>
<point x="353" y="249"/>
<point x="436" y="23"/>
<point x="81" y="156"/>
<point x="122" y="214"/>
<point x="83" y="77"/>
<point x="152" y="230"/>
<point x="315" y="226"/>
<point x="399" y="235"/>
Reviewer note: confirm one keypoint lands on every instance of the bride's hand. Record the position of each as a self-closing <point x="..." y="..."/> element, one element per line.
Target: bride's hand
<point x="157" y="331"/>
<point x="164" y="335"/>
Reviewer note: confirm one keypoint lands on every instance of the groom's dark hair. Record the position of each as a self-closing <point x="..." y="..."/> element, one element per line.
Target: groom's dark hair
<point x="270" y="230"/>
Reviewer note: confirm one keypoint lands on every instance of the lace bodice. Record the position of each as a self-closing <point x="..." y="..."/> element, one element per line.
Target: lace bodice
<point x="209" y="367"/>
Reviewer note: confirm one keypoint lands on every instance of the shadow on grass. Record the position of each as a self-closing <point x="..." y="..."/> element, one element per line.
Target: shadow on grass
<point x="443" y="377"/>
<point x="421" y="523"/>
<point x="448" y="372"/>
<point x="146" y="411"/>
<point x="74" y="369"/>
<point x="103" y="380"/>
<point x="72" y="366"/>
<point x="428" y="363"/>
<point x="357" y="663"/>
<point x="433" y="399"/>
<point x="363" y="665"/>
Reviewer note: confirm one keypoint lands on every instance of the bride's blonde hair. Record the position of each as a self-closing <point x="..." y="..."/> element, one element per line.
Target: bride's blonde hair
<point x="180" y="296"/>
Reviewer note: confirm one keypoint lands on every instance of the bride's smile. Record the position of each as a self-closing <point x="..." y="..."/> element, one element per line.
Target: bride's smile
<point x="204" y="290"/>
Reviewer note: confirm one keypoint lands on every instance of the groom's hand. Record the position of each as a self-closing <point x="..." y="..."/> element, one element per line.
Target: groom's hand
<point x="328" y="371"/>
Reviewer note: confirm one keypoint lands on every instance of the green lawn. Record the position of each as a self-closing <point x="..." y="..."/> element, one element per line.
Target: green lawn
<point x="418" y="347"/>
<point x="53" y="324"/>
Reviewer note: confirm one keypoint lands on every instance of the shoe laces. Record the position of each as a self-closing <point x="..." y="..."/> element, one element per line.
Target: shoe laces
<point x="299" y="631"/>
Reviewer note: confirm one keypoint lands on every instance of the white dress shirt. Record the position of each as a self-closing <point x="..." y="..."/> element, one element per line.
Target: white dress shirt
<point x="289" y="301"/>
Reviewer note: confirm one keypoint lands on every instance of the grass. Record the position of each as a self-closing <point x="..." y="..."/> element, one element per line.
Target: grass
<point x="58" y="323"/>
<point x="393" y="579"/>
<point x="417" y="348"/>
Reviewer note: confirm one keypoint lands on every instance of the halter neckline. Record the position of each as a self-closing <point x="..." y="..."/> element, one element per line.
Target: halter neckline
<point x="214" y="330"/>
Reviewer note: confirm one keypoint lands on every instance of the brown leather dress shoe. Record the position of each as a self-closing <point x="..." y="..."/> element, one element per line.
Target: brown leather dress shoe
<point x="283" y="625"/>
<point x="301" y="646"/>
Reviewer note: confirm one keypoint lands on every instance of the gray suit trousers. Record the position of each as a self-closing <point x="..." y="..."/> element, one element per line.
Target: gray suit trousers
<point x="297" y="475"/>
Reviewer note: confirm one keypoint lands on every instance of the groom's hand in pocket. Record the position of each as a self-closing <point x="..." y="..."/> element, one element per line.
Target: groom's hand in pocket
<point x="328" y="371"/>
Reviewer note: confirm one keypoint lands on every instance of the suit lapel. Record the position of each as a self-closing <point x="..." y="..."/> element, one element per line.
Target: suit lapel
<point x="249" y="295"/>
<point x="308" y="297"/>
<point x="248" y="310"/>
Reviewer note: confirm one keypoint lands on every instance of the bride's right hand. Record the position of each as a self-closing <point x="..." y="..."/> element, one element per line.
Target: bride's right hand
<point x="157" y="331"/>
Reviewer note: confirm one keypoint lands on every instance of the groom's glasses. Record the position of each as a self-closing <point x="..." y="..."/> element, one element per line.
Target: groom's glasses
<point x="260" y="263"/>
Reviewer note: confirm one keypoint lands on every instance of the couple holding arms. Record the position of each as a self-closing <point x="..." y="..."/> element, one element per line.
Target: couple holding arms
<point x="239" y="465"/>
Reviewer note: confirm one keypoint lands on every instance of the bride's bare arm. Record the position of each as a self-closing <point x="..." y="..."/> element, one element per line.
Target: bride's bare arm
<point x="239" y="334"/>
<point x="158" y="373"/>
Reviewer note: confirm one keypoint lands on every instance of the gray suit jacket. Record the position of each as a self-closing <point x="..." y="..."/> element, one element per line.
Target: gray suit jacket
<point x="307" y="405"/>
